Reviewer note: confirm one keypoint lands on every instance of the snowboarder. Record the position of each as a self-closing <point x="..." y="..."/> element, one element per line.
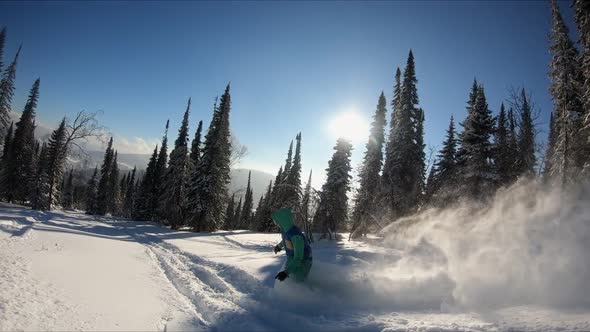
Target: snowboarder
<point x="296" y="246"/>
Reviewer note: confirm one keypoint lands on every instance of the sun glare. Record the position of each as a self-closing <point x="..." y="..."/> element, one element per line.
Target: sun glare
<point x="349" y="125"/>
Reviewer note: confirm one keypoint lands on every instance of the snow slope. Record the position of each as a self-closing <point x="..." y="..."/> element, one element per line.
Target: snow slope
<point x="69" y="271"/>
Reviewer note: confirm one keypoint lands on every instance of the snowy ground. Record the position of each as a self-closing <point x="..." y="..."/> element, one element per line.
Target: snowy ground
<point x="69" y="271"/>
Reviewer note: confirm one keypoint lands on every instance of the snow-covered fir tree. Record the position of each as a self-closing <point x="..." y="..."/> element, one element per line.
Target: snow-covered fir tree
<point x="19" y="169"/>
<point x="173" y="197"/>
<point x="332" y="212"/>
<point x="527" y="160"/>
<point x="67" y="198"/>
<point x="143" y="204"/>
<point x="229" y="213"/>
<point x="234" y="224"/>
<point x="208" y="191"/>
<point x="504" y="161"/>
<point x="91" y="193"/>
<point x="53" y="168"/>
<point x="476" y="171"/>
<point x="566" y="90"/>
<point x="369" y="175"/>
<point x="292" y="189"/>
<point x="195" y="154"/>
<point x="129" y="201"/>
<point x="442" y="183"/>
<point x="7" y="92"/>
<point x="403" y="172"/>
<point x="114" y="194"/>
<point x="246" y="213"/>
<point x="305" y="210"/>
<point x="582" y="17"/>
<point x="103" y="190"/>
<point x="158" y="175"/>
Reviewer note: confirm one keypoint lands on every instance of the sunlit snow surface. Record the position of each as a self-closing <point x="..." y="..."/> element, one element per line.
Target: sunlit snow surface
<point x="70" y="271"/>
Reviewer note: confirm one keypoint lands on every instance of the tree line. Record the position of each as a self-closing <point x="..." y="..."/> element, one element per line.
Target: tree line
<point x="187" y="187"/>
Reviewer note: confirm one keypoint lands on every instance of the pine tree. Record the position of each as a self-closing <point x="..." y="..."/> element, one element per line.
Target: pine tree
<point x="403" y="172"/>
<point x="551" y="141"/>
<point x="54" y="165"/>
<point x="143" y="204"/>
<point x="91" y="196"/>
<point x="237" y="216"/>
<point x="40" y="189"/>
<point x="4" y="160"/>
<point x="331" y="215"/>
<point x="263" y="220"/>
<point x="103" y="191"/>
<point x="129" y="195"/>
<point x="292" y="190"/>
<point x="20" y="168"/>
<point x="305" y="213"/>
<point x="246" y="214"/>
<point x="369" y="178"/>
<point x="503" y="160"/>
<point x="208" y="193"/>
<point x="2" y="41"/>
<point x="113" y="191"/>
<point x="582" y="16"/>
<point x="566" y="91"/>
<point x="6" y="93"/>
<point x="442" y="182"/>
<point x="513" y="145"/>
<point x="173" y="198"/>
<point x="229" y="213"/>
<point x="159" y="174"/>
<point x="195" y="155"/>
<point x="277" y="190"/>
<point x="526" y="139"/>
<point x="476" y="173"/>
<point x="68" y="195"/>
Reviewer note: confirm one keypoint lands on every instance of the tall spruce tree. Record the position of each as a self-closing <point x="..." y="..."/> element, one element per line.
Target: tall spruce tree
<point x="195" y="155"/>
<point x="526" y="138"/>
<point x="246" y="214"/>
<point x="173" y="198"/>
<point x="292" y="191"/>
<point x="143" y="204"/>
<point x="6" y="94"/>
<point x="305" y="212"/>
<point x="159" y="174"/>
<point x="566" y="90"/>
<point x="6" y="151"/>
<point x="263" y="221"/>
<point x="582" y="17"/>
<point x="68" y="194"/>
<point x="403" y="172"/>
<point x="103" y="191"/>
<point x="129" y="202"/>
<point x="477" y="172"/>
<point x="208" y="192"/>
<point x="504" y="159"/>
<point x="332" y="212"/>
<point x="369" y="177"/>
<point x="442" y="182"/>
<point x="237" y="216"/>
<point x="54" y="166"/>
<point x="229" y="213"/>
<point x="551" y="141"/>
<point x="91" y="191"/>
<point x="40" y="189"/>
<point x="20" y="167"/>
<point x="114" y="191"/>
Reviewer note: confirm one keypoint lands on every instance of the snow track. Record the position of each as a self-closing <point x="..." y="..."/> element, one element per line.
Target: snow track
<point x="215" y="290"/>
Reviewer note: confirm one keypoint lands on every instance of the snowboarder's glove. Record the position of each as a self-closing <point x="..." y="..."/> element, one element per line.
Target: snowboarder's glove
<point x="282" y="275"/>
<point x="277" y="249"/>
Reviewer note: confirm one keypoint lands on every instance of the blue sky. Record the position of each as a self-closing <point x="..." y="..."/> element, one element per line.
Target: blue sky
<point x="293" y="66"/>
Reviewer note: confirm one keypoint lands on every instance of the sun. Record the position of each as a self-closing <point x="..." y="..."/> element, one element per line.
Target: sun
<point x="349" y="125"/>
